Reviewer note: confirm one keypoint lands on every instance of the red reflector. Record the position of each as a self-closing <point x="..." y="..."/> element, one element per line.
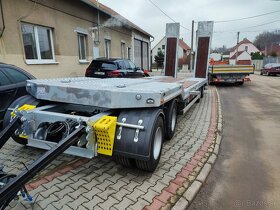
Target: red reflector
<point x="114" y="73"/>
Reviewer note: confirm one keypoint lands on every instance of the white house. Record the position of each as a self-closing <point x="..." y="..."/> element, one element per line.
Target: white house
<point x="243" y="58"/>
<point x="184" y="49"/>
<point x="241" y="53"/>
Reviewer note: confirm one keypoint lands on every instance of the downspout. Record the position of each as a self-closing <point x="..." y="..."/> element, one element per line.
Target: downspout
<point x="151" y="55"/>
<point x="3" y="21"/>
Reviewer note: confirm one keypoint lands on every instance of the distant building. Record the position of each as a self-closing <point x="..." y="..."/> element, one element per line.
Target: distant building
<point x="216" y="56"/>
<point x="241" y="53"/>
<point x="183" y="51"/>
<point x="274" y="48"/>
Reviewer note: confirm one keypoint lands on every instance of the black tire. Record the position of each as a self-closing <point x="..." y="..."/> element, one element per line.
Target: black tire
<point x="261" y="73"/>
<point x="151" y="164"/>
<point x="170" y="119"/>
<point x="27" y="99"/>
<point x="127" y="162"/>
<point x="240" y="83"/>
<point x="202" y="92"/>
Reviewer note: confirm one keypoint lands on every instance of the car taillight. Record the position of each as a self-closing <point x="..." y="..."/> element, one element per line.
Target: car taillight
<point x="114" y="73"/>
<point x="87" y="71"/>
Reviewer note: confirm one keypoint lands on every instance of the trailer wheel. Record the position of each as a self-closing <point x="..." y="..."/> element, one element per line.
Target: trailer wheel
<point x="127" y="162"/>
<point x="171" y="119"/>
<point x="202" y="92"/>
<point x="155" y="149"/>
<point x="27" y="99"/>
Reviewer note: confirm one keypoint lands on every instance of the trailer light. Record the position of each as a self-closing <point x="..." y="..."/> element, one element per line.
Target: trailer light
<point x="138" y="97"/>
<point x="150" y="101"/>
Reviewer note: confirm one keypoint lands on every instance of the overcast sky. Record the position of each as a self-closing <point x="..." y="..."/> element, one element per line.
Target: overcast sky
<point x="148" y="17"/>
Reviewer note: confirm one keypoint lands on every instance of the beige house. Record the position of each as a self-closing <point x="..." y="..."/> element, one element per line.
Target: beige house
<point x="58" y="38"/>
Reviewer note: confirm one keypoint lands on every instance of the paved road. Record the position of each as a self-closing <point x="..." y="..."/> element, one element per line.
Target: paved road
<point x="246" y="174"/>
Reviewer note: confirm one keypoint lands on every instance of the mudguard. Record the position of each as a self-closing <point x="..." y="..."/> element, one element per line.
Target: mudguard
<point x="126" y="142"/>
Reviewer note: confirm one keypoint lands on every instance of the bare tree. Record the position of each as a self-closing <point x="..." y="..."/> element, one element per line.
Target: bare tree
<point x="266" y="39"/>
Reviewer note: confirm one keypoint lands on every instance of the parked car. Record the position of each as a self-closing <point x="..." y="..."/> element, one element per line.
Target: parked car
<point x="12" y="86"/>
<point x="271" y="69"/>
<point x="114" y="67"/>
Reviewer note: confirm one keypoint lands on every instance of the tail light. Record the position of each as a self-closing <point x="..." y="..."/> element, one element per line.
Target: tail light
<point x="88" y="70"/>
<point x="114" y="73"/>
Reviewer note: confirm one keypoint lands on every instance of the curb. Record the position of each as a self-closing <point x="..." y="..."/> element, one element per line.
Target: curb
<point x="195" y="186"/>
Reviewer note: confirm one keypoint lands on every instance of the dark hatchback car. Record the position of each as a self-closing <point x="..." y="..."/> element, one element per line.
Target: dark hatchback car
<point x="12" y="86"/>
<point x="114" y="67"/>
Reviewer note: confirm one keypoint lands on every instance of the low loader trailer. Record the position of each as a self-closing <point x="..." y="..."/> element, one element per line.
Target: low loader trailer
<point x="128" y="119"/>
<point x="237" y="74"/>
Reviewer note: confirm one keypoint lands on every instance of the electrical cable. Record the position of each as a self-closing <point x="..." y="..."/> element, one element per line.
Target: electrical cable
<point x="255" y="26"/>
<point x="246" y="18"/>
<point x="167" y="15"/>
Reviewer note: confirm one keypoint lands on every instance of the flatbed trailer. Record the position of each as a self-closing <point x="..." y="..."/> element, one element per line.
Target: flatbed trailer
<point x="125" y="118"/>
<point x="229" y="73"/>
<point x="128" y="119"/>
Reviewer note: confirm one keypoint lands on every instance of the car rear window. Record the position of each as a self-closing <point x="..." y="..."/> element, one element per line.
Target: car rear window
<point x="3" y="79"/>
<point x="103" y="65"/>
<point x="16" y="75"/>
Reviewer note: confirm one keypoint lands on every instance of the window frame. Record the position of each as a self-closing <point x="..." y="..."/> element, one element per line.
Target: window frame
<point x="123" y="50"/>
<point x="129" y="53"/>
<point x="81" y="60"/>
<point x="39" y="60"/>
<point x="107" y="54"/>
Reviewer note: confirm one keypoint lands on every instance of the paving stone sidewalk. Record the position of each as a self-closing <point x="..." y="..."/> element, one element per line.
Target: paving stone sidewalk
<point x="100" y="183"/>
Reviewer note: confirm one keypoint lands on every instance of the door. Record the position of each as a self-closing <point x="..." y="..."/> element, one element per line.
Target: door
<point x="7" y="93"/>
<point x="18" y="78"/>
<point x="137" y="53"/>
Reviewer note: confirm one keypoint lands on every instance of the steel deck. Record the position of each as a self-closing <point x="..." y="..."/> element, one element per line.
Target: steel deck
<point x="114" y="93"/>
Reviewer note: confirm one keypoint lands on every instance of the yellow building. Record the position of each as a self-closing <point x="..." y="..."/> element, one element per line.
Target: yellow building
<point x="58" y="38"/>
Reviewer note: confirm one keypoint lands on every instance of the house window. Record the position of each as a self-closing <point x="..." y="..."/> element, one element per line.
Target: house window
<point x="82" y="46"/>
<point x="107" y="48"/>
<point x="38" y="44"/>
<point x="123" y="49"/>
<point x="129" y="53"/>
<point x="163" y="47"/>
<point x="246" y="48"/>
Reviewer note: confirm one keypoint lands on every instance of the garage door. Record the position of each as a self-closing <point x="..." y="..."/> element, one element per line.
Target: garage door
<point x="137" y="52"/>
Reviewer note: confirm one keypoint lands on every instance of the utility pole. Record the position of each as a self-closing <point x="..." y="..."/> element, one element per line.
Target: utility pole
<point x="191" y="63"/>
<point x="238" y="33"/>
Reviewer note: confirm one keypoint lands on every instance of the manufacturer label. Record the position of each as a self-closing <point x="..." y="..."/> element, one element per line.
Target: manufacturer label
<point x="41" y="91"/>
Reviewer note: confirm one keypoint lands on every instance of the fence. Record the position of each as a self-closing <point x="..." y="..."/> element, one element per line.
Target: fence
<point x="270" y="59"/>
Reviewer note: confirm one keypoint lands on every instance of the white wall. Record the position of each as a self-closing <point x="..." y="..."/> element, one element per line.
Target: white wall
<point x="244" y="56"/>
<point x="216" y="56"/>
<point x="158" y="45"/>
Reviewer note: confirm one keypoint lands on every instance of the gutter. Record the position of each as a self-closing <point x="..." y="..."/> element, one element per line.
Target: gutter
<point x="3" y="20"/>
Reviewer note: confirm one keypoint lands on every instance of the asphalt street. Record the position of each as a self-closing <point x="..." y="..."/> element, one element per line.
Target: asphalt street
<point x="246" y="174"/>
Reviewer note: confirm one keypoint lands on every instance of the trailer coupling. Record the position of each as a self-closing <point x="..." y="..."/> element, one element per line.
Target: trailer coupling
<point x="13" y="185"/>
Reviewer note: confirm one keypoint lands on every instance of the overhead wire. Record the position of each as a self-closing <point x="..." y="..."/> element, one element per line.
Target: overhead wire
<point x="246" y="18"/>
<point x="168" y="15"/>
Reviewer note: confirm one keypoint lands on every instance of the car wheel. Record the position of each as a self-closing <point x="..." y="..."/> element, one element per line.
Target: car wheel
<point x="155" y="148"/>
<point x="261" y="73"/>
